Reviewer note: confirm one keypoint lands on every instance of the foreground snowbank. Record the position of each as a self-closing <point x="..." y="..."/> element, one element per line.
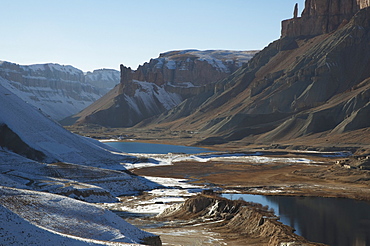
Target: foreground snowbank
<point x="44" y="218"/>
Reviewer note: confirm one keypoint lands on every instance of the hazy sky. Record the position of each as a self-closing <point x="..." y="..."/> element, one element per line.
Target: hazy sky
<point x="91" y="34"/>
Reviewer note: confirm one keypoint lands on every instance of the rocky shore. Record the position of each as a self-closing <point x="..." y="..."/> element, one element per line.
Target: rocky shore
<point x="241" y="222"/>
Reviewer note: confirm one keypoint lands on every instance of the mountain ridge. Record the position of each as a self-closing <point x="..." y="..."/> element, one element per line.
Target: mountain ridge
<point x="297" y="86"/>
<point x="57" y="90"/>
<point x="161" y="84"/>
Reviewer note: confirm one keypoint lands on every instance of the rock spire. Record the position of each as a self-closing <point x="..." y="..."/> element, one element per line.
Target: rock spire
<point x="295" y="14"/>
<point x="321" y="16"/>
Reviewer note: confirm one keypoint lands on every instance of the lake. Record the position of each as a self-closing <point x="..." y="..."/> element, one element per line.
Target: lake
<point x="336" y="222"/>
<point x="333" y="221"/>
<point x="150" y="148"/>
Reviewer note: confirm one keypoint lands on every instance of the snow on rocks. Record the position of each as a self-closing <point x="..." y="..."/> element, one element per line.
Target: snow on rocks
<point x="37" y="218"/>
<point x="150" y="93"/>
<point x="81" y="182"/>
<point x="73" y="166"/>
<point x="173" y="191"/>
<point x="216" y="58"/>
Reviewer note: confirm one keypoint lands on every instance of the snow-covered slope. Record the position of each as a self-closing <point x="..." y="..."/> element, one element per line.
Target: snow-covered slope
<point x="27" y="126"/>
<point x="39" y="201"/>
<point x="59" y="91"/>
<point x="37" y="218"/>
<point x="45" y="135"/>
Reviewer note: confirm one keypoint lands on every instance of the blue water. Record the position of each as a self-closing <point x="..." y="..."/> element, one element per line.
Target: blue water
<point x="336" y="222"/>
<point x="149" y="148"/>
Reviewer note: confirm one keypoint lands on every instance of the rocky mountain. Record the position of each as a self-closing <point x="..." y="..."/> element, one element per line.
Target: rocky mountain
<point x="314" y="80"/>
<point x="161" y="84"/>
<point x="58" y="91"/>
<point x="103" y="79"/>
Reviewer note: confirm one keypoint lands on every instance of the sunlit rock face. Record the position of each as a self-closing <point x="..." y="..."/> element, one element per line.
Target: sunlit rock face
<point x="197" y="67"/>
<point x="322" y="16"/>
<point x="310" y="81"/>
<point x="161" y="84"/>
<point x="58" y="91"/>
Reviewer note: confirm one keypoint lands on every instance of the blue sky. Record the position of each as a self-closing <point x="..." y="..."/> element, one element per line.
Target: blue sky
<point x="92" y="34"/>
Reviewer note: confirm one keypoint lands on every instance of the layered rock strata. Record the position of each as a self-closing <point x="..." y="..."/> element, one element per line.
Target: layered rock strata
<point x="103" y="79"/>
<point x="295" y="87"/>
<point x="58" y="91"/>
<point x="322" y="16"/>
<point x="162" y="84"/>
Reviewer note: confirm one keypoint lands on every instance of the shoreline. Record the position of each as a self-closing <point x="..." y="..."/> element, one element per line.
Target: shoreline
<point x="327" y="176"/>
<point x="302" y="175"/>
<point x="322" y="178"/>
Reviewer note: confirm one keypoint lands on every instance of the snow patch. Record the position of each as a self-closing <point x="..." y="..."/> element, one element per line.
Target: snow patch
<point x="52" y="216"/>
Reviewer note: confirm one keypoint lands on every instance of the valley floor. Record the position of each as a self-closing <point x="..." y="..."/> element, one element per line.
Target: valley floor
<point x="287" y="173"/>
<point x="322" y="177"/>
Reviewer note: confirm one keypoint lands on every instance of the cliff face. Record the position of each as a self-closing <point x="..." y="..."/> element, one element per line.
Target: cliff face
<point x="59" y="91"/>
<point x="161" y="84"/>
<point x="197" y="67"/>
<point x="322" y="16"/>
<point x="103" y="79"/>
<point x="295" y="87"/>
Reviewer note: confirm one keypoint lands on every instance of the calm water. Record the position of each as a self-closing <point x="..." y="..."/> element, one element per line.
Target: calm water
<point x="149" y="148"/>
<point x="336" y="222"/>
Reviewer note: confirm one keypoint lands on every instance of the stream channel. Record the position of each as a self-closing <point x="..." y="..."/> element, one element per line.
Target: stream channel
<point x="333" y="221"/>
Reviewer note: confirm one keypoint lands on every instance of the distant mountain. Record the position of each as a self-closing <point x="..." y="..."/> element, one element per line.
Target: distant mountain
<point x="161" y="84"/>
<point x="314" y="80"/>
<point x="103" y="79"/>
<point x="58" y="91"/>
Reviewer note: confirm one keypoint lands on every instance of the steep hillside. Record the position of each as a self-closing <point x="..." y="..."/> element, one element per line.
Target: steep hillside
<point x="37" y="218"/>
<point x="58" y="91"/>
<point x="33" y="129"/>
<point x="161" y="84"/>
<point x="43" y="166"/>
<point x="305" y="83"/>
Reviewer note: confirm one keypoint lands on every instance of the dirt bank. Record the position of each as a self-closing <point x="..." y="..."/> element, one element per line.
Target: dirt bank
<point x="240" y="222"/>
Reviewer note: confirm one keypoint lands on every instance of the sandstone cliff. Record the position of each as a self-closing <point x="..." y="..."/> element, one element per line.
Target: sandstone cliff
<point x="161" y="84"/>
<point x="322" y="16"/>
<point x="59" y="91"/>
<point x="308" y="82"/>
<point x="197" y="67"/>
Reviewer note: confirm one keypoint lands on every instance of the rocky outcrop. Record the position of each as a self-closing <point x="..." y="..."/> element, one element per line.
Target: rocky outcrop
<point x="295" y="87"/>
<point x="249" y="220"/>
<point x="197" y="67"/>
<point x="162" y="84"/>
<point x="322" y="16"/>
<point x="58" y="91"/>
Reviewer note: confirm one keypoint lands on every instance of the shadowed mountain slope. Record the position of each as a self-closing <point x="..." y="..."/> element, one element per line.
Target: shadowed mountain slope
<point x="160" y="85"/>
<point x="304" y="83"/>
